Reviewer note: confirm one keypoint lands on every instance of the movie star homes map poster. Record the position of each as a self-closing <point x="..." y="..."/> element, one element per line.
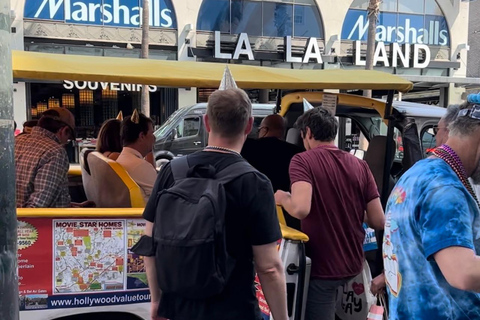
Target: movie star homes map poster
<point x="67" y="263"/>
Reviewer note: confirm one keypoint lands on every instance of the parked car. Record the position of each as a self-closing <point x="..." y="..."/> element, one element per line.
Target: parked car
<point x="184" y="131"/>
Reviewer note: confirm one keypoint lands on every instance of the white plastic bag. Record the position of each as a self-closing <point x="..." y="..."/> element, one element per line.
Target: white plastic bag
<point x="354" y="299"/>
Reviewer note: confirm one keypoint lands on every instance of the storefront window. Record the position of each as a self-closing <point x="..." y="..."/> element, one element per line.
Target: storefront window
<point x="388" y="5"/>
<point x="246" y="16"/>
<point x="215" y="15"/>
<point x="48" y="48"/>
<point x="100" y="51"/>
<point x="94" y="102"/>
<point x="268" y="18"/>
<point x="277" y="19"/>
<point x="359" y="4"/>
<point x="431" y="7"/>
<point x="84" y="51"/>
<point x="401" y="21"/>
<point x="411" y="6"/>
<point x="307" y="22"/>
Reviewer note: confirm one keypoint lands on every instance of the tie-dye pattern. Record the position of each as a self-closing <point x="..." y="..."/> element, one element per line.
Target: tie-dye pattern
<point x="429" y="210"/>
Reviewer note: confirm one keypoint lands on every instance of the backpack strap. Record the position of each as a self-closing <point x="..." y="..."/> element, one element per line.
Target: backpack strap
<point x="179" y="168"/>
<point x="234" y="171"/>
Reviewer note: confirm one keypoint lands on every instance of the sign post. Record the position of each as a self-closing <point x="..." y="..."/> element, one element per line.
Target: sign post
<point x="8" y="219"/>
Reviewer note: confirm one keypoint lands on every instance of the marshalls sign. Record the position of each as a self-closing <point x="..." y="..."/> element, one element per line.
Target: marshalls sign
<point x="120" y="13"/>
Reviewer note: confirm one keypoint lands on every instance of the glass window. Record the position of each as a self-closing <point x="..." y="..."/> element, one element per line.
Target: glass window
<point x="246" y="17"/>
<point x="386" y="29"/>
<point x="309" y="2"/>
<point x="189" y="127"/>
<point x="388" y="5"/>
<point x="162" y="55"/>
<point x="411" y="6"/>
<point x="412" y="25"/>
<point x="428" y="140"/>
<point x="438" y="28"/>
<point x="359" y="4"/>
<point x="307" y="22"/>
<point x="417" y="21"/>
<point x="277" y="19"/>
<point x="214" y="16"/>
<point x="84" y="51"/>
<point x="49" y="48"/>
<point x="270" y="18"/>
<point x="431" y="7"/>
<point x="123" y="53"/>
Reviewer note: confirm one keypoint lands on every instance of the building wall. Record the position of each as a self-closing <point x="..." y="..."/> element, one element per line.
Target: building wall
<point x="474" y="40"/>
<point x="333" y="13"/>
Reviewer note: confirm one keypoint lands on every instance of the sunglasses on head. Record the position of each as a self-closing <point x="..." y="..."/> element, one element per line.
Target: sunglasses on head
<point x="473" y="112"/>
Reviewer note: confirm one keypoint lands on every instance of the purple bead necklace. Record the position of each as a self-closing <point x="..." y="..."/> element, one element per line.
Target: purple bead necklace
<point x="447" y="154"/>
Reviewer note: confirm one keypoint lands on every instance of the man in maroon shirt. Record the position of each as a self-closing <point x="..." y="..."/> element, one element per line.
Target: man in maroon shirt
<point x="331" y="191"/>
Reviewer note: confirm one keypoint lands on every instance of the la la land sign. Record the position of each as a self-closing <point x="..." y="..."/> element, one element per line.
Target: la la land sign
<point x="406" y="55"/>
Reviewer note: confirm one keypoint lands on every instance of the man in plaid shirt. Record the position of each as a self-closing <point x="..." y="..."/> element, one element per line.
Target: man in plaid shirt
<point x="41" y="161"/>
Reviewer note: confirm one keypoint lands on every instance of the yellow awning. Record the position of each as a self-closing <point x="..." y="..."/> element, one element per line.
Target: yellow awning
<point x="47" y="66"/>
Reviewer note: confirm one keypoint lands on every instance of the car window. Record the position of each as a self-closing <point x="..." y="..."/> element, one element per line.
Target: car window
<point x="428" y="140"/>
<point x="188" y="127"/>
<point x="397" y="136"/>
<point x="256" y="124"/>
<point x="166" y="127"/>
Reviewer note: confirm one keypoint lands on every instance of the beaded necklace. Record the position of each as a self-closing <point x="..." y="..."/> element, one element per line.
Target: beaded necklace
<point x="221" y="149"/>
<point x="447" y="154"/>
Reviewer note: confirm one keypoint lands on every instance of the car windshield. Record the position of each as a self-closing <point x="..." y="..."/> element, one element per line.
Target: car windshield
<point x="166" y="126"/>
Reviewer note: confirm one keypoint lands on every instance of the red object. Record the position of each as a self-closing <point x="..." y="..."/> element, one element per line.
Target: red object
<point x="358" y="288"/>
<point x="36" y="260"/>
<point x="375" y="313"/>
<point x="341" y="184"/>
<point x="81" y="233"/>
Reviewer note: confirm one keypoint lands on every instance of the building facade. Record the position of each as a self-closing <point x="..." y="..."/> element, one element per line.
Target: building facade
<point x="474" y="41"/>
<point x="422" y="40"/>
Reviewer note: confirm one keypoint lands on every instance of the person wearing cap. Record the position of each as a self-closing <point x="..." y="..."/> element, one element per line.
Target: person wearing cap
<point x="41" y="162"/>
<point x="431" y="245"/>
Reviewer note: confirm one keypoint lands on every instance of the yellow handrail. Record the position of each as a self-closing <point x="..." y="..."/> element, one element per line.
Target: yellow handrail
<point x="115" y="213"/>
<point x="79" y="212"/>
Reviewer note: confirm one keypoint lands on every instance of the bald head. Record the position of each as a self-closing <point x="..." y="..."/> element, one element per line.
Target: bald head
<point x="272" y="126"/>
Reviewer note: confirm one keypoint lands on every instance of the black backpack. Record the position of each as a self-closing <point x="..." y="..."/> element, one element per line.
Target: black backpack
<point x="189" y="231"/>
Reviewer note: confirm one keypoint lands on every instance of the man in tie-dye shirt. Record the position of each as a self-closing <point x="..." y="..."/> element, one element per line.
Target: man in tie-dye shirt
<point x="432" y="233"/>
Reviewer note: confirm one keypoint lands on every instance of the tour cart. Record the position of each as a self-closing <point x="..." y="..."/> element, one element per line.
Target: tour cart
<point x="76" y="261"/>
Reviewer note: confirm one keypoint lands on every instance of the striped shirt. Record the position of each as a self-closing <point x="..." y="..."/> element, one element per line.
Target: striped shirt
<point x="41" y="164"/>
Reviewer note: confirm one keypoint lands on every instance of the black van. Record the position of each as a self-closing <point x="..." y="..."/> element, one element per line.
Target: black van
<point x="184" y="131"/>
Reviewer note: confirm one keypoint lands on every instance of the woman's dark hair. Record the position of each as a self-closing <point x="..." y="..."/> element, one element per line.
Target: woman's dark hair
<point x="131" y="129"/>
<point x="109" y="137"/>
<point x="322" y="124"/>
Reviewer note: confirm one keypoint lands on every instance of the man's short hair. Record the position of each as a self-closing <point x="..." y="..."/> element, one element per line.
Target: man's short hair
<point x="322" y="124"/>
<point x="451" y="114"/>
<point x="131" y="130"/>
<point x="464" y="125"/>
<point x="228" y="112"/>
